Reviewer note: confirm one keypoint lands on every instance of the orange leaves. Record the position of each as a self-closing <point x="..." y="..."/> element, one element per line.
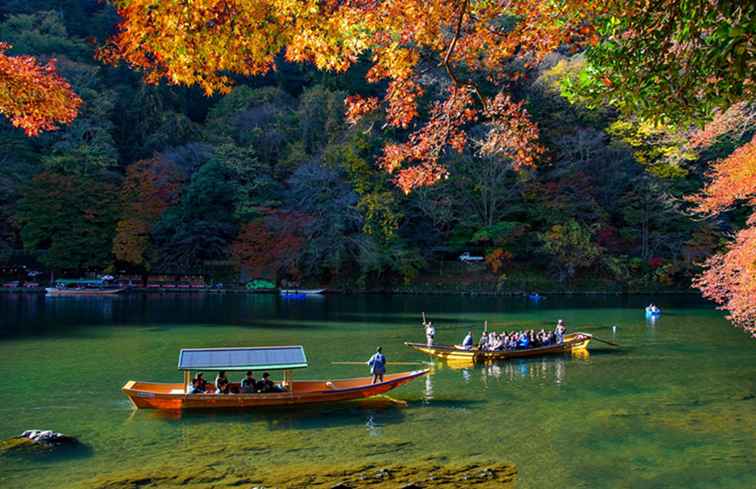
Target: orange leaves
<point x="731" y="180"/>
<point x="357" y="107"/>
<point x="511" y="132"/>
<point x="150" y="187"/>
<point x="34" y="97"/>
<point x="402" y="98"/>
<point x="730" y="278"/>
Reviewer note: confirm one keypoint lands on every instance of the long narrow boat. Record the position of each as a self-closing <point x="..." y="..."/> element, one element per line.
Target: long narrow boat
<point x="301" y="291"/>
<point x="82" y="287"/>
<point x="572" y="342"/>
<point x="152" y="395"/>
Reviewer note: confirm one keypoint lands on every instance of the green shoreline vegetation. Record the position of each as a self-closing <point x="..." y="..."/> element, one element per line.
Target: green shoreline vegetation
<point x="271" y="181"/>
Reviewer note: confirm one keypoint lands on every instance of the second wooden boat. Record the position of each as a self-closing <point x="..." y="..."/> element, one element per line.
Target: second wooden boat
<point x="572" y="342"/>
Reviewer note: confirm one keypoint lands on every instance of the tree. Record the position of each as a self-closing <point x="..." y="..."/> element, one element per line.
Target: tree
<point x="671" y="61"/>
<point x="332" y="235"/>
<point x="150" y="187"/>
<point x="34" y="97"/>
<point x="571" y="246"/>
<point x="273" y="244"/>
<point x="69" y="220"/>
<point x="203" y="42"/>
<point x="202" y="226"/>
<point x="730" y="278"/>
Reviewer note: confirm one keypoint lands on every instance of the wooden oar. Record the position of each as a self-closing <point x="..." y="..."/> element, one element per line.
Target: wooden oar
<point x="387" y="363"/>
<point x="604" y="341"/>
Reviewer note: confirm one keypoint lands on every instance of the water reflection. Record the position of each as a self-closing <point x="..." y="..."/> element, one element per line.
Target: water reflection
<point x="547" y="369"/>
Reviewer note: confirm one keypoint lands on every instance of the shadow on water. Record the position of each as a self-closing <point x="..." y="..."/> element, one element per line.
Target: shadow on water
<point x="382" y="410"/>
<point x="40" y="453"/>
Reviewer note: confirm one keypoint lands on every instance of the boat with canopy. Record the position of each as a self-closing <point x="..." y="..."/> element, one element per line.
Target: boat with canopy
<point x="573" y="342"/>
<point x="85" y="287"/>
<point x="285" y="359"/>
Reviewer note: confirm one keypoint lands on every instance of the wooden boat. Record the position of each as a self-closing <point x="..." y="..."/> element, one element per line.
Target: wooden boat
<point x="84" y="291"/>
<point x="302" y="291"/>
<point x="83" y="287"/>
<point x="572" y="342"/>
<point x="151" y="395"/>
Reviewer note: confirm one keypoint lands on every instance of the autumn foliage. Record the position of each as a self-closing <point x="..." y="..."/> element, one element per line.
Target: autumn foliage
<point x="730" y="278"/>
<point x="150" y="187"/>
<point x="415" y="45"/>
<point x="271" y="245"/>
<point x="33" y="96"/>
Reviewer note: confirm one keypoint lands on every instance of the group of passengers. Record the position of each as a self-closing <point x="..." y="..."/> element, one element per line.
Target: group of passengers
<point x="517" y="340"/>
<point x="247" y="385"/>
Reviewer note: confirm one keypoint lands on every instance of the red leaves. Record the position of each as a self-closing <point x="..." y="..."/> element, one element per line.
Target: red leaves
<point x="357" y="107"/>
<point x="402" y="98"/>
<point x="34" y="97"/>
<point x="730" y="278"/>
<point x="731" y="180"/>
<point x="272" y="244"/>
<point x="511" y="132"/>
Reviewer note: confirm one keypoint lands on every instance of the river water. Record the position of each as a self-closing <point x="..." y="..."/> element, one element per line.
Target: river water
<point x="675" y="407"/>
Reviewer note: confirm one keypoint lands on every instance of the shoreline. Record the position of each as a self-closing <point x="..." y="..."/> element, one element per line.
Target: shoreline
<point x="523" y="294"/>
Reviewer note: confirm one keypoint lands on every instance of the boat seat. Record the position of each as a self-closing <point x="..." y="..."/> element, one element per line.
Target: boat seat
<point x="177" y="391"/>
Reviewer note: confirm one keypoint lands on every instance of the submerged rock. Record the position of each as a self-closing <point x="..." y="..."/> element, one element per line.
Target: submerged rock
<point x="38" y="442"/>
<point x="422" y="475"/>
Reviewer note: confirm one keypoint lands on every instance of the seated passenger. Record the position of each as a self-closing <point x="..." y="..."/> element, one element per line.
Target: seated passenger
<point x="467" y="343"/>
<point x="483" y="343"/>
<point x="199" y="384"/>
<point x="248" y="384"/>
<point x="523" y="342"/>
<point x="222" y="385"/>
<point x="266" y="385"/>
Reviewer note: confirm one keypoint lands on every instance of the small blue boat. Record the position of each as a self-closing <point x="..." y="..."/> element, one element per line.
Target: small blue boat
<point x="535" y="297"/>
<point x="651" y="313"/>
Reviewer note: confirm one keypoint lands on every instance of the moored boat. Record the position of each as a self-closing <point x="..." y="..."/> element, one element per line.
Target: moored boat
<point x="572" y="342"/>
<point x="302" y="291"/>
<point x="152" y="395"/>
<point x="82" y="287"/>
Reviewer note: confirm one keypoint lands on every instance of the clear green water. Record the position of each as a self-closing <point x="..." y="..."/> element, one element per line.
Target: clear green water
<point x="675" y="408"/>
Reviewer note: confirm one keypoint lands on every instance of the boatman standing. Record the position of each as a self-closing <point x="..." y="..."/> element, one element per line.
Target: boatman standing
<point x="377" y="364"/>
<point x="467" y="343"/>
<point x="430" y="333"/>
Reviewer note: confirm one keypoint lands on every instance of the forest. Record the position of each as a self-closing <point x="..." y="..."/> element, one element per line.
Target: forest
<point x="287" y="171"/>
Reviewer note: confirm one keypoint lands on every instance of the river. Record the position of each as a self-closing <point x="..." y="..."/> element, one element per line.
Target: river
<point x="675" y="407"/>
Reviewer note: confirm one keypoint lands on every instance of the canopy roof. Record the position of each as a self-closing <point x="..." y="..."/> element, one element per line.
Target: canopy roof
<point x="246" y="358"/>
<point x="79" y="281"/>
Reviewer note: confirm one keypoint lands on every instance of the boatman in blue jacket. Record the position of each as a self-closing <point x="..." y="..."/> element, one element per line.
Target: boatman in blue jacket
<point x="377" y="364"/>
<point x="467" y="343"/>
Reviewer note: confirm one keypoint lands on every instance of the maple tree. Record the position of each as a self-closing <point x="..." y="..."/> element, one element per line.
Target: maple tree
<point x="150" y="187"/>
<point x="33" y="96"/>
<point x="461" y="50"/>
<point x="272" y="244"/>
<point x="730" y="277"/>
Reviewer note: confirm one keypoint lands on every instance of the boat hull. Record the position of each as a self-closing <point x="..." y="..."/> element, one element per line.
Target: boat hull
<point x="572" y="342"/>
<point x="145" y="395"/>
<point x="298" y="292"/>
<point x="82" y="292"/>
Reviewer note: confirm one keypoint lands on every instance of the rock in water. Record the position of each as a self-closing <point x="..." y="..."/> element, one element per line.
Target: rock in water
<point x="33" y="442"/>
<point x="49" y="438"/>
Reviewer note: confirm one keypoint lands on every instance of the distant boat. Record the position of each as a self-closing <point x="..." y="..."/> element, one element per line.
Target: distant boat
<point x="535" y="297"/>
<point x="653" y="313"/>
<point x="82" y="287"/>
<point x="289" y="392"/>
<point x="301" y="291"/>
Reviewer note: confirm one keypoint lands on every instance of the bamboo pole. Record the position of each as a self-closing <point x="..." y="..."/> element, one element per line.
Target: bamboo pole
<point x="387" y="363"/>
